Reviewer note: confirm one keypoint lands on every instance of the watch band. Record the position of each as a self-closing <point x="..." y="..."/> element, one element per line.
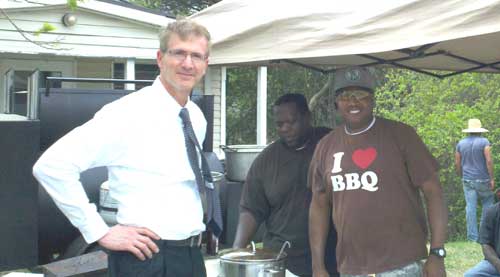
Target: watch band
<point x="438" y="251"/>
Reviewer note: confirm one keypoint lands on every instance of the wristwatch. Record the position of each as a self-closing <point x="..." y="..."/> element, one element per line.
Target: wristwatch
<point x="438" y="251"/>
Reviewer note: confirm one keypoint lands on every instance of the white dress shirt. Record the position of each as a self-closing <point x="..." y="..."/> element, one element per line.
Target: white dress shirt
<point x="139" y="138"/>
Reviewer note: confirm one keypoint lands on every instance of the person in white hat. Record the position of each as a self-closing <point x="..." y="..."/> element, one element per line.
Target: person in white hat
<point x="474" y="165"/>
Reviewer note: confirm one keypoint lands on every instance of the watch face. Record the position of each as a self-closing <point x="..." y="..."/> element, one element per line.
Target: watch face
<point x="440" y="252"/>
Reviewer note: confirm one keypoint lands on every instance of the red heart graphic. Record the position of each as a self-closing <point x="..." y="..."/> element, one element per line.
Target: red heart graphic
<point x="363" y="158"/>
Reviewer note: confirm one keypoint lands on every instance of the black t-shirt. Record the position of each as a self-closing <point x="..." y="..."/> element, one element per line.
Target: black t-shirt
<point x="489" y="232"/>
<point x="276" y="194"/>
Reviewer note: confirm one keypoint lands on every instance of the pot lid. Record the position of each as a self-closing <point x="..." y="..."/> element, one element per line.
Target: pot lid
<point x="247" y="255"/>
<point x="251" y="148"/>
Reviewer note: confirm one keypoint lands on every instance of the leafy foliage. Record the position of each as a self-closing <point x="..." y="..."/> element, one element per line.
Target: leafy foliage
<point x="178" y="8"/>
<point x="72" y="4"/>
<point x="241" y="98"/>
<point x="46" y="27"/>
<point x="241" y="106"/>
<point x="439" y="110"/>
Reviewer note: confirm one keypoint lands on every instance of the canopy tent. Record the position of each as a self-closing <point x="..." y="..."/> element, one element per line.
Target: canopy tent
<point x="422" y="35"/>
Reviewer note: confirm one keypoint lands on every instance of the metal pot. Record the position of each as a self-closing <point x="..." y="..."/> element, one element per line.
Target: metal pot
<point x="239" y="158"/>
<point x="253" y="263"/>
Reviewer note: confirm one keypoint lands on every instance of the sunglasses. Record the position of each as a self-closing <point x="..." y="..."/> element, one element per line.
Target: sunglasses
<point x="353" y="95"/>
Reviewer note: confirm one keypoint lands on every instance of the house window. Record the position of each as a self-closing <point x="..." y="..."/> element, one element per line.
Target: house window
<point x="21" y="79"/>
<point x="20" y="96"/>
<point x="142" y="72"/>
<point x="118" y="73"/>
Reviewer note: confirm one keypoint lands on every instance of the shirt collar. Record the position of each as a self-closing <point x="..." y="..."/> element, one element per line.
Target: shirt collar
<point x="158" y="87"/>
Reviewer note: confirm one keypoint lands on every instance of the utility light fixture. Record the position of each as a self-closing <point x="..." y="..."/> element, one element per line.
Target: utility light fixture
<point x="69" y="19"/>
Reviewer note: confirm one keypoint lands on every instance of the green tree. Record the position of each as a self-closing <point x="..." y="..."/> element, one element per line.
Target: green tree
<point x="177" y="8"/>
<point x="241" y="106"/>
<point x="241" y="98"/>
<point x="439" y="110"/>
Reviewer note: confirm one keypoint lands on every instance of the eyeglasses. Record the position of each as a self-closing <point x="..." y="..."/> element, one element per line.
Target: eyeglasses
<point x="180" y="55"/>
<point x="353" y="95"/>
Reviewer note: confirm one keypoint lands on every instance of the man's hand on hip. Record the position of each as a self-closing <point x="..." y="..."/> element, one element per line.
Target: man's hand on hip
<point x="137" y="240"/>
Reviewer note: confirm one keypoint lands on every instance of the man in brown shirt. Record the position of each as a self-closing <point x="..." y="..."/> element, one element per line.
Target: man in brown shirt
<point x="275" y="191"/>
<point x="369" y="173"/>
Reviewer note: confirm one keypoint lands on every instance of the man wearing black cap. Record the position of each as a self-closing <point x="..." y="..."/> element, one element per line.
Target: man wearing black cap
<point x="369" y="173"/>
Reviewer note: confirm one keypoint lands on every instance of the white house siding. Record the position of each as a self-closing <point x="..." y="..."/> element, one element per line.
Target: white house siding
<point x="86" y="49"/>
<point x="94" y="35"/>
<point x="213" y="87"/>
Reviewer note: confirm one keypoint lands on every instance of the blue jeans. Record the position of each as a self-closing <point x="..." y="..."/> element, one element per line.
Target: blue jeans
<point x="482" y="269"/>
<point x="474" y="189"/>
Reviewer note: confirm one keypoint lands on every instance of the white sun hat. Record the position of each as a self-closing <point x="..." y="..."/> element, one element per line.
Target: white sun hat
<point x="474" y="126"/>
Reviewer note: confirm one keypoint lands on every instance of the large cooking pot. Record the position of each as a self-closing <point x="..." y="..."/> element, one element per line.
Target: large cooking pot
<point x="253" y="262"/>
<point x="239" y="158"/>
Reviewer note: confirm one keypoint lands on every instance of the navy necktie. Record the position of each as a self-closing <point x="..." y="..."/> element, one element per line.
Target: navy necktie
<point x="204" y="181"/>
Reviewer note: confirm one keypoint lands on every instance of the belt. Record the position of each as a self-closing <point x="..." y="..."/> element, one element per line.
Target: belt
<point x="193" y="241"/>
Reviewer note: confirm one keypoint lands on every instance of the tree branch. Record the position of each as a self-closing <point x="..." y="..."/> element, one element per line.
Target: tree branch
<point x="314" y="100"/>
<point x="45" y="45"/>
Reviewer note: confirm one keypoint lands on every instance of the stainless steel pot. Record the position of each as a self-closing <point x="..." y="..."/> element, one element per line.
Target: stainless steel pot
<point x="253" y="263"/>
<point x="239" y="158"/>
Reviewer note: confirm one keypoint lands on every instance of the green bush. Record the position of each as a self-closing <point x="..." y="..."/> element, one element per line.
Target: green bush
<point x="439" y="110"/>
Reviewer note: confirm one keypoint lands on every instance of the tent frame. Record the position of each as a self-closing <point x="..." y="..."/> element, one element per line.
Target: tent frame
<point x="411" y="55"/>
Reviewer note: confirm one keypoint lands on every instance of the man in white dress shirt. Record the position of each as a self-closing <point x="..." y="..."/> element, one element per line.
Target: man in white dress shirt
<point x="139" y="138"/>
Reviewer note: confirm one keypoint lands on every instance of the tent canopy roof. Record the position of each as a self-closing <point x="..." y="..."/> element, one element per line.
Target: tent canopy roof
<point x="422" y="35"/>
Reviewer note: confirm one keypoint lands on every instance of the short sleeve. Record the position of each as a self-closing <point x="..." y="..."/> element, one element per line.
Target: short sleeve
<point x="420" y="163"/>
<point x="486" y="142"/>
<point x="253" y="196"/>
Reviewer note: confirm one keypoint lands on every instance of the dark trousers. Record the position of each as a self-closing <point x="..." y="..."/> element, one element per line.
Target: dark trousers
<point x="171" y="261"/>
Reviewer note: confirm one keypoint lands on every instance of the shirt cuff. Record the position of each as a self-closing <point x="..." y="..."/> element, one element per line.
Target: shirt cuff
<point x="95" y="228"/>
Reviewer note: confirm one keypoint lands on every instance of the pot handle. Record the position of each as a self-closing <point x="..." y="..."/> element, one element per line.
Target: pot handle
<point x="227" y="148"/>
<point x="283" y="248"/>
<point x="269" y="272"/>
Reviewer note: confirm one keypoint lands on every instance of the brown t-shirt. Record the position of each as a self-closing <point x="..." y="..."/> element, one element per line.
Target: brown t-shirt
<point x="276" y="194"/>
<point x="377" y="209"/>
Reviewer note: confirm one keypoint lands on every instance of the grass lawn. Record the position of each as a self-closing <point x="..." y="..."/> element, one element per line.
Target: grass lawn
<point x="461" y="256"/>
